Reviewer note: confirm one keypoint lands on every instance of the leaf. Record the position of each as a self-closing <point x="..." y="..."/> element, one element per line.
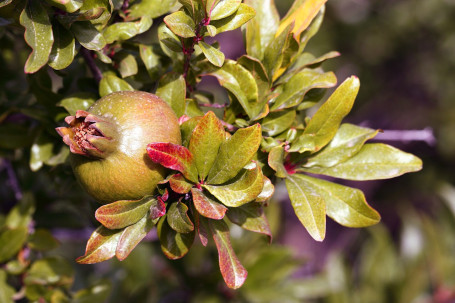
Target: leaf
<point x="132" y="236"/>
<point x="240" y="17"/>
<point x="77" y="101"/>
<point x="40" y="152"/>
<point x="42" y="240"/>
<point x="63" y="49"/>
<point x="374" y="161"/>
<point x="345" y="205"/>
<point x="215" y="56"/>
<point x="95" y="294"/>
<point x="277" y="122"/>
<point x="87" y="35"/>
<point x="260" y="31"/>
<point x="123" y="213"/>
<point x="348" y="140"/>
<point x="181" y="24"/>
<point x="274" y="53"/>
<point x="177" y="218"/>
<point x="205" y="141"/>
<point x="276" y="161"/>
<point x="5" y="3"/>
<point x="224" y="8"/>
<point x="308" y="204"/>
<point x="122" y="31"/>
<point x="168" y="40"/>
<point x="325" y="123"/>
<point x="173" y="244"/>
<point x="11" y="241"/>
<point x="172" y="89"/>
<point x="150" y="8"/>
<point x="69" y="6"/>
<point x="244" y="189"/>
<point x="157" y="210"/>
<point x="206" y="206"/>
<point x="6" y="291"/>
<point x="38" y="35"/>
<point x="21" y="214"/>
<point x="175" y="157"/>
<point x="127" y="65"/>
<point x="295" y="89"/>
<point x="267" y="190"/>
<point x="111" y="83"/>
<point x="234" y="274"/>
<point x="234" y="154"/>
<point x="186" y="128"/>
<point x="50" y="271"/>
<point x="101" y="246"/>
<point x="179" y="184"/>
<point x="250" y="217"/>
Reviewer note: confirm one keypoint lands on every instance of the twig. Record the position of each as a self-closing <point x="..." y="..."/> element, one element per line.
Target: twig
<point x="12" y="179"/>
<point x="214" y="105"/>
<point x="96" y="72"/>
<point x="425" y="135"/>
<point x="228" y="126"/>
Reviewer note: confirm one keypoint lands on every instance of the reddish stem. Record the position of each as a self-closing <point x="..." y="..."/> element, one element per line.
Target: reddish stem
<point x="88" y="57"/>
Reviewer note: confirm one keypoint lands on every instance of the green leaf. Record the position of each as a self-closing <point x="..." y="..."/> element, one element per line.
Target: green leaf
<point x="122" y="31"/>
<point x="309" y="205"/>
<point x="276" y="161"/>
<point x="177" y="218"/>
<point x="244" y="189"/>
<point x="186" y="129"/>
<point x="42" y="240"/>
<point x="123" y="213"/>
<point x="172" y="89"/>
<point x="273" y="54"/>
<point x="372" y="162"/>
<point x="150" y="8"/>
<point x="267" y="190"/>
<point x="277" y="122"/>
<point x="5" y="2"/>
<point x="325" y="123"/>
<point x="69" y="6"/>
<point x="345" y="205"/>
<point x="224" y="8"/>
<point x="6" y="291"/>
<point x="50" y="271"/>
<point x="209" y="5"/>
<point x="234" y="274"/>
<point x="77" y="101"/>
<point x="301" y="14"/>
<point x="101" y="246"/>
<point x="179" y="184"/>
<point x="205" y="141"/>
<point x="240" y="17"/>
<point x="40" y="152"/>
<point x="38" y="35"/>
<point x="11" y="241"/>
<point x="215" y="56"/>
<point x="111" y="83"/>
<point x="260" y="31"/>
<point x="168" y="40"/>
<point x="63" y="49"/>
<point x="173" y="244"/>
<point x="152" y="60"/>
<point x="234" y="154"/>
<point x="207" y="206"/>
<point x="88" y="36"/>
<point x="295" y="89"/>
<point x="127" y="65"/>
<point x="250" y="217"/>
<point x="132" y="236"/>
<point x="347" y="142"/>
<point x="181" y="24"/>
<point x="97" y="293"/>
<point x="192" y="108"/>
<point x="21" y="214"/>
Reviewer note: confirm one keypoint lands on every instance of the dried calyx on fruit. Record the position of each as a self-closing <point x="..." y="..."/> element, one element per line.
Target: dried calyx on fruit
<point x="108" y="144"/>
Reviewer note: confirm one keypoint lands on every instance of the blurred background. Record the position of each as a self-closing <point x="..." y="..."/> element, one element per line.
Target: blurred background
<point x="403" y="51"/>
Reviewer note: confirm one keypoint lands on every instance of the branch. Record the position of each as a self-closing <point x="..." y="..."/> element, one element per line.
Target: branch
<point x="96" y="72"/>
<point x="425" y="135"/>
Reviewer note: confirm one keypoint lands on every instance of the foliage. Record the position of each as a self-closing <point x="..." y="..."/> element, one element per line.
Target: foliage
<point x="275" y="127"/>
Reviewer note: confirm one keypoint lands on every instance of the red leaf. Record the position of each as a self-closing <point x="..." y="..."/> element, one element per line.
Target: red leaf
<point x="179" y="184"/>
<point x="175" y="157"/>
<point x="157" y="210"/>
<point x="206" y="206"/>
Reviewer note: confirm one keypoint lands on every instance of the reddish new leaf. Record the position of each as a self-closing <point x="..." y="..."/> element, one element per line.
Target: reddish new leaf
<point x="234" y="274"/>
<point x="101" y="246"/>
<point x="157" y="210"/>
<point x="207" y="207"/>
<point x="179" y="184"/>
<point x="175" y="157"/>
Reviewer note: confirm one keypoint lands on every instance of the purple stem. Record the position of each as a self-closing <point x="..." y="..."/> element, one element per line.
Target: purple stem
<point x="96" y="72"/>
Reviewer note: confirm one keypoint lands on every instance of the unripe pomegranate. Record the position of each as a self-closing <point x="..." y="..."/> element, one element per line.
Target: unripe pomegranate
<point x="108" y="144"/>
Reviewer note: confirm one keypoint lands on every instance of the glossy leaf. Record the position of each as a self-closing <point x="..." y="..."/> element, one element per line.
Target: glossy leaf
<point x="260" y="31"/>
<point x="38" y="35"/>
<point x="186" y="128"/>
<point x="244" y="14"/>
<point x="5" y="3"/>
<point x="172" y="89"/>
<point x="347" y="142"/>
<point x="274" y="53"/>
<point x="63" y="49"/>
<point x="111" y="83"/>
<point x="40" y="152"/>
<point x="205" y="141"/>
<point x="50" y="270"/>
<point x="88" y="36"/>
<point x="69" y="6"/>
<point x="152" y="60"/>
<point x="295" y="89"/>
<point x="207" y="206"/>
<point x="175" y="157"/>
<point x="374" y="161"/>
<point x="123" y="213"/>
<point x="157" y="210"/>
<point x="277" y="122"/>
<point x="127" y="65"/>
<point x="177" y="218"/>
<point x="244" y="189"/>
<point x="6" y="291"/>
<point x="173" y="244"/>
<point x="267" y="190"/>
<point x="345" y="205"/>
<point x="179" y="184"/>
<point x="101" y="246"/>
<point x="250" y="217"/>
<point x="215" y="56"/>
<point x="301" y="14"/>
<point x="11" y="241"/>
<point x="42" y="240"/>
<point x="150" y="8"/>
<point x="276" y="161"/>
<point x="234" y="274"/>
<point x="181" y="24"/>
<point x="234" y="154"/>
<point x="168" y="40"/>
<point x="224" y="8"/>
<point x="325" y="123"/>
<point x="122" y="31"/>
<point x="309" y="205"/>
<point x="132" y="236"/>
<point x="78" y="101"/>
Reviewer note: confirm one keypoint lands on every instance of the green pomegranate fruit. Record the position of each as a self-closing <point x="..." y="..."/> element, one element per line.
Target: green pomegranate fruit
<point x="108" y="144"/>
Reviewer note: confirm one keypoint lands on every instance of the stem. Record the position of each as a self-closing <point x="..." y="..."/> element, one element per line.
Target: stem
<point x="425" y="135"/>
<point x="88" y="57"/>
<point x="215" y="105"/>
<point x="228" y="126"/>
<point x="12" y="179"/>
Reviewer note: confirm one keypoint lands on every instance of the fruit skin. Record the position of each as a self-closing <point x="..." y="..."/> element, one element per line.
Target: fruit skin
<point x="114" y="165"/>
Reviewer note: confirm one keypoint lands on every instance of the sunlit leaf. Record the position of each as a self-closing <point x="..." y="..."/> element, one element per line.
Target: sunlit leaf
<point x="101" y="246"/>
<point x="69" y="6"/>
<point x="276" y="161"/>
<point x="77" y="101"/>
<point x="179" y="184"/>
<point x="277" y="122"/>
<point x="172" y="89"/>
<point x="240" y="17"/>
<point x="150" y="8"/>
<point x="181" y="24"/>
<point x="40" y="152"/>
<point x="88" y="36"/>
<point x="215" y="56"/>
<point x="127" y="65"/>
<point x="224" y="9"/>
<point x="6" y="291"/>
<point x="207" y="206"/>
<point x="111" y="83"/>
<point x="122" y="31"/>
<point x="267" y="190"/>
<point x="132" y="236"/>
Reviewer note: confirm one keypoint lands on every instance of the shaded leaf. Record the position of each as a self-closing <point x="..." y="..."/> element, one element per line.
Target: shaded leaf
<point x="122" y="31"/>
<point x="372" y="162"/>
<point x="277" y="122"/>
<point x="69" y="6"/>
<point x="172" y="89"/>
<point x="88" y="36"/>
<point x="38" y="35"/>
<point x="177" y="218"/>
<point x="42" y="240"/>
<point x="95" y="294"/>
<point x="301" y="14"/>
<point x="168" y="40"/>
<point x="202" y="227"/>
<point x="234" y="274"/>
<point x="11" y="241"/>
<point x="250" y="217"/>
<point x="63" y="49"/>
<point x="150" y="8"/>
<point x="215" y="56"/>
<point x="276" y="161"/>
<point x="179" y="184"/>
<point x="132" y="236"/>
<point x="21" y="214"/>
<point x="224" y="8"/>
<point x="152" y="60"/>
<point x="123" y="213"/>
<point x="40" y="152"/>
<point x="101" y="246"/>
<point x="6" y="291"/>
<point x="173" y="244"/>
<point x="111" y="83"/>
<point x="181" y="24"/>
<point x="240" y="17"/>
<point x="186" y="128"/>
<point x="206" y="206"/>
<point x="234" y="154"/>
<point x="274" y="53"/>
<point x="50" y="270"/>
<point x="309" y="205"/>
<point x="157" y="209"/>
<point x="175" y="157"/>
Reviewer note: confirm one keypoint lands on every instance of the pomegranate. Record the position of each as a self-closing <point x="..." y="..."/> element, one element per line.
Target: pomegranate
<point x="108" y="144"/>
